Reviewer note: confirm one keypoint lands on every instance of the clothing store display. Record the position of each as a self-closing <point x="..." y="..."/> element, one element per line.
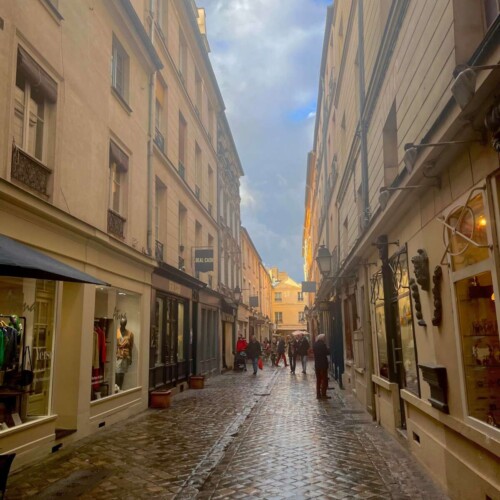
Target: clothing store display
<point x="124" y="347"/>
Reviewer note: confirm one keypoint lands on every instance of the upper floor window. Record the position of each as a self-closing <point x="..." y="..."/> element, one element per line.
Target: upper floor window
<point x="35" y="96"/>
<point x="277" y="297"/>
<point x="300" y="296"/>
<point x="183" y="57"/>
<point x="491" y="11"/>
<point x="278" y="317"/>
<point x="120" y="70"/>
<point x="182" y="144"/>
<point x="118" y="168"/>
<point x="302" y="317"/>
<point x="198" y="88"/>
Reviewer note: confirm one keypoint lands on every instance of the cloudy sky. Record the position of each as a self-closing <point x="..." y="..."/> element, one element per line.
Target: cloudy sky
<point x="266" y="56"/>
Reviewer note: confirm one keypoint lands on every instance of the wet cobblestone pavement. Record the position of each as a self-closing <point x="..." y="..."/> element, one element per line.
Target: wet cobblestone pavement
<point x="241" y="437"/>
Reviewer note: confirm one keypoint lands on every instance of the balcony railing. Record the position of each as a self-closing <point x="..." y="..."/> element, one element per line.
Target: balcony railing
<point x="160" y="140"/>
<point x="30" y="171"/>
<point x="158" y="251"/>
<point x="116" y="224"/>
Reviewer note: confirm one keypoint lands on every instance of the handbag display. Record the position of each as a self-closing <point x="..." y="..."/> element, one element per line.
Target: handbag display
<point x="24" y="376"/>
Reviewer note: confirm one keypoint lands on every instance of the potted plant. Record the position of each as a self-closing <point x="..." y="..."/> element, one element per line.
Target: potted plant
<point x="197" y="381"/>
<point x="161" y="398"/>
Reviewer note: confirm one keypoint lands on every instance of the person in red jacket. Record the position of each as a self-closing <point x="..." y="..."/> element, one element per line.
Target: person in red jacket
<point x="241" y="347"/>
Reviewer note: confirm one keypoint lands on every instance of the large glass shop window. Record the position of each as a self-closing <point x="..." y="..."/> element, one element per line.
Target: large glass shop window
<point x="27" y="311"/>
<point x="477" y="313"/>
<point x="377" y="300"/>
<point x="115" y="342"/>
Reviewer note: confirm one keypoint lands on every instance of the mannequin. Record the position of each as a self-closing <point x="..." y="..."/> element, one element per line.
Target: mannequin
<point x="124" y="347"/>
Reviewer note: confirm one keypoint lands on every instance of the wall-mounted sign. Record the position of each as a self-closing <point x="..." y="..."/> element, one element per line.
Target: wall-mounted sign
<point x="203" y="260"/>
<point x="254" y="301"/>
<point x="309" y="287"/>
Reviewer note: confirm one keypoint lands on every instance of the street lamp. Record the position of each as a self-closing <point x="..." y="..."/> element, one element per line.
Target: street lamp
<point x="237" y="294"/>
<point x="324" y="261"/>
<point x="463" y="87"/>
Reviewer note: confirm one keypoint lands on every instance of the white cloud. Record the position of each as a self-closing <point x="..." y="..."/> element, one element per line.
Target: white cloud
<point x="266" y="57"/>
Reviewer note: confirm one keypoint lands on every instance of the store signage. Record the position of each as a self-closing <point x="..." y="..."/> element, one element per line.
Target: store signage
<point x="308" y="287"/>
<point x="203" y="260"/>
<point x="254" y="301"/>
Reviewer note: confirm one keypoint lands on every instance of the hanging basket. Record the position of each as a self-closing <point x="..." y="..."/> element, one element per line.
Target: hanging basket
<point x="160" y="399"/>
<point x="197" y="382"/>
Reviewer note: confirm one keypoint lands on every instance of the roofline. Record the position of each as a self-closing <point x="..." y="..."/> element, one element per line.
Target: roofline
<point x="141" y="31"/>
<point x="328" y="28"/>
<point x="251" y="242"/>
<point x="230" y="135"/>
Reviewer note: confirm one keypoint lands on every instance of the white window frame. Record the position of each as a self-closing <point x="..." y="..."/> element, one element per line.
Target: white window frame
<point x="119" y="55"/>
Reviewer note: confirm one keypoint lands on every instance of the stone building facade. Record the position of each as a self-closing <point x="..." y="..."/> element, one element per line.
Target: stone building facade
<point x="403" y="194"/>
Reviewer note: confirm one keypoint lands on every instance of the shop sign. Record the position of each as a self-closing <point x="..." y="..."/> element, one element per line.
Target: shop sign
<point x="203" y="260"/>
<point x="254" y="301"/>
<point x="308" y="287"/>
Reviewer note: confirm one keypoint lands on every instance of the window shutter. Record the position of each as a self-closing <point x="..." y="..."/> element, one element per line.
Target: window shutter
<point x="118" y="156"/>
<point x="36" y="75"/>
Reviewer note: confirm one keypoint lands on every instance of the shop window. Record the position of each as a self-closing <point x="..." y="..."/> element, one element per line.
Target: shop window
<point x="473" y="274"/>
<point x="27" y="331"/>
<point x="115" y="342"/>
<point x="350" y="324"/>
<point x="377" y="300"/>
<point x="120" y="70"/>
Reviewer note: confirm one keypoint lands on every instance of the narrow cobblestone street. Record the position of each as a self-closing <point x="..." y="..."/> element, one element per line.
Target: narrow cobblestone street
<point x="240" y="437"/>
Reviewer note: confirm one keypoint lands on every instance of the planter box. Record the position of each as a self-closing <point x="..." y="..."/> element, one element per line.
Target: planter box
<point x="161" y="399"/>
<point x="197" y="382"/>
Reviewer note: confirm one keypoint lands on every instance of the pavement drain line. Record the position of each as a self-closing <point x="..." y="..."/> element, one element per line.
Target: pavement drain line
<point x="204" y="469"/>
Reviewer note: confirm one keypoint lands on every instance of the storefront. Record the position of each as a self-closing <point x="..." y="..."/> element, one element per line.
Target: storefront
<point x="229" y="310"/>
<point x="205" y="343"/>
<point x="174" y="327"/>
<point x="48" y="344"/>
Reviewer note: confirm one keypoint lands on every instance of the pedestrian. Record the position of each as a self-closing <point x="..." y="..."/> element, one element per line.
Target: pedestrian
<point x="241" y="347"/>
<point x="321" y="353"/>
<point x="274" y="350"/>
<point x="281" y="352"/>
<point x="253" y="352"/>
<point x="292" y="353"/>
<point x="302" y="351"/>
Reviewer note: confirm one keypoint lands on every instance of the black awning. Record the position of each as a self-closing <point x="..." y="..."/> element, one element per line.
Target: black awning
<point x="21" y="261"/>
<point x="181" y="277"/>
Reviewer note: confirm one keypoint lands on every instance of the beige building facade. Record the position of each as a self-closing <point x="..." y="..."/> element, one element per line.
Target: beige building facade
<point x="254" y="311"/>
<point x="403" y="194"/>
<point x="109" y="180"/>
<point x="288" y="303"/>
<point x="73" y="158"/>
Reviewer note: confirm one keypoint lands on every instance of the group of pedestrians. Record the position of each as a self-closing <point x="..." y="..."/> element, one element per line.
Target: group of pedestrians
<point x="297" y="347"/>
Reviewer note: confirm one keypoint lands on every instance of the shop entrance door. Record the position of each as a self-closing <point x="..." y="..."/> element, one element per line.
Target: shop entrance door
<point x="168" y="342"/>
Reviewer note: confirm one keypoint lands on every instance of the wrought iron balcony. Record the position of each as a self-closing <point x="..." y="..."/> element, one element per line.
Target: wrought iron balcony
<point x="159" y="251"/>
<point x="116" y="224"/>
<point x="160" y="140"/>
<point x="28" y="170"/>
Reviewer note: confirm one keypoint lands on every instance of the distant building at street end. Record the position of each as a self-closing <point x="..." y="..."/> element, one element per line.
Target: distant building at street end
<point x="287" y="303"/>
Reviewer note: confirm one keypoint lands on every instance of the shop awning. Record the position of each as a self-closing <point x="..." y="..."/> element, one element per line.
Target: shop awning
<point x="21" y="261"/>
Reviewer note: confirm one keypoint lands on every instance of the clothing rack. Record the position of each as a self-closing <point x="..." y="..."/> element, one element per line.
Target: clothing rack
<point x="22" y="343"/>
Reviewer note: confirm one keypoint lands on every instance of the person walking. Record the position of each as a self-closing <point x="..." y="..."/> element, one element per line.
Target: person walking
<point x="281" y="352"/>
<point x="241" y="347"/>
<point x="302" y="351"/>
<point x="321" y="353"/>
<point x="292" y="353"/>
<point x="254" y="350"/>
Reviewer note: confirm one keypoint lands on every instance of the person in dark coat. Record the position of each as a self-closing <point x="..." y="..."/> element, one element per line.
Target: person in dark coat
<point x="302" y="350"/>
<point x="281" y="352"/>
<point x="254" y="350"/>
<point x="321" y="353"/>
<point x="292" y="353"/>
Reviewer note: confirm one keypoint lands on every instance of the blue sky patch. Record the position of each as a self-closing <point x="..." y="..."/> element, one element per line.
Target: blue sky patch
<point x="300" y="114"/>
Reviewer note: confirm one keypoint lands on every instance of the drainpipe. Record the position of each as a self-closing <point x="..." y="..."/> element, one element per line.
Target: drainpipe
<point x="150" y="173"/>
<point x="362" y="124"/>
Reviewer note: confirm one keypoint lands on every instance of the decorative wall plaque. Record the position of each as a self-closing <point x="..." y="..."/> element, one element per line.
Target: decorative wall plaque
<point x="421" y="268"/>
<point x="436" y="293"/>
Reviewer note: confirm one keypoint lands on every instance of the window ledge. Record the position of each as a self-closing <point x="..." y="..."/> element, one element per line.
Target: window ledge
<point x="32" y="422"/>
<point x="121" y="100"/>
<point x="53" y="11"/>
<point x="382" y="382"/>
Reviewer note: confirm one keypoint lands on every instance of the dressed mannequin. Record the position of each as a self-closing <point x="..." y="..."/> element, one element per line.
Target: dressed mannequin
<point x="124" y="347"/>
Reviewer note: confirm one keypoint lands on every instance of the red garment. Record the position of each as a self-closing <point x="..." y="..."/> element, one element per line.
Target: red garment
<point x="241" y="345"/>
<point x="102" y="344"/>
